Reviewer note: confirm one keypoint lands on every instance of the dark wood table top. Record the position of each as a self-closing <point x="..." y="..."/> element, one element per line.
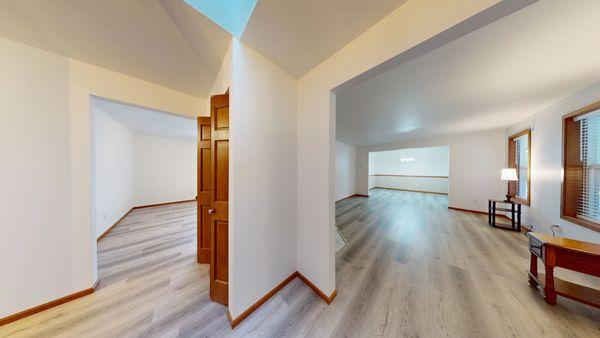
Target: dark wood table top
<point x="568" y="244"/>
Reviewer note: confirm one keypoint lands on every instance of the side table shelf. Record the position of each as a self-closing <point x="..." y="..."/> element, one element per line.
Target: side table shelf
<point x="515" y="214"/>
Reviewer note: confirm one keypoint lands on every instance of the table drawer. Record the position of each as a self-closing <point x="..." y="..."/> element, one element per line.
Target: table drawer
<point x="536" y="246"/>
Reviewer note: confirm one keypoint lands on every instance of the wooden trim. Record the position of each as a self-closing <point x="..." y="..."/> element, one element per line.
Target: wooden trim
<point x="352" y="196"/>
<point x="477" y="212"/>
<point x="585" y="223"/>
<point x="426" y="192"/>
<point x="523" y="227"/>
<point x="328" y="299"/>
<point x="112" y="226"/>
<point x="469" y="210"/>
<point x="46" y="306"/>
<point x="422" y="176"/>
<point x="264" y="299"/>
<point x="526" y="202"/>
<point x="521" y="133"/>
<point x="161" y="204"/>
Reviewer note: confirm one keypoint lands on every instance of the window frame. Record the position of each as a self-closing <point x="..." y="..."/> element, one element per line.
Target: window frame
<point x="511" y="164"/>
<point x="563" y="198"/>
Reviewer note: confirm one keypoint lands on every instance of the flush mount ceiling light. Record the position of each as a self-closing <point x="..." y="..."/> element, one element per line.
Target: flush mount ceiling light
<point x="407" y="159"/>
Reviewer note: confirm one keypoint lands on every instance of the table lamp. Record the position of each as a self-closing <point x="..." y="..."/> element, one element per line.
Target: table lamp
<point x="509" y="175"/>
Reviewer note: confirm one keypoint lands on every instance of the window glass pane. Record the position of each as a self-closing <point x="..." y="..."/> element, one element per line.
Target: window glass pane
<point x="522" y="162"/>
<point x="589" y="199"/>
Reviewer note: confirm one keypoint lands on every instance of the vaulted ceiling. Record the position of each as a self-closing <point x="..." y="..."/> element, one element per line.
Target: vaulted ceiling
<point x="166" y="42"/>
<point x="491" y="78"/>
<point x="300" y="34"/>
<point x="170" y="43"/>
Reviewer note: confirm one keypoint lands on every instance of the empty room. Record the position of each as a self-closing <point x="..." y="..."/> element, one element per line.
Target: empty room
<point x="284" y="168"/>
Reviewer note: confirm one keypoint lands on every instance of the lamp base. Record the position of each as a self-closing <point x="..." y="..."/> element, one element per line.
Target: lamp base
<point x="508" y="197"/>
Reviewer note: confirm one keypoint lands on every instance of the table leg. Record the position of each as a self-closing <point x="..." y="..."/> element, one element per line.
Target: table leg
<point x="549" y="288"/>
<point x="493" y="214"/>
<point x="533" y="270"/>
<point x="512" y="216"/>
<point x="519" y="218"/>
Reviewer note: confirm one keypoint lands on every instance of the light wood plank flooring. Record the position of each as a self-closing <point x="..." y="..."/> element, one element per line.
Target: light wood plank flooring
<point x="411" y="268"/>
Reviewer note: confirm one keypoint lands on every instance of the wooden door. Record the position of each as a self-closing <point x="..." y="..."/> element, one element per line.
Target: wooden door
<point x="204" y="184"/>
<point x="219" y="266"/>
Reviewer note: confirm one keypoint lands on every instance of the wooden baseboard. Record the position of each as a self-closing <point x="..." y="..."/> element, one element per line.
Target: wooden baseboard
<point x="352" y="196"/>
<point x="112" y="226"/>
<point x="261" y="301"/>
<point x="162" y="204"/>
<point x="46" y="306"/>
<point x="476" y="212"/>
<point x="139" y="207"/>
<point x="426" y="192"/>
<point x="468" y="210"/>
<point x="328" y="299"/>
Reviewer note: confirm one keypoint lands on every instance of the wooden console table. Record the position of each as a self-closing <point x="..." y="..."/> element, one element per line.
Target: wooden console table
<point x="564" y="253"/>
<point x="515" y="214"/>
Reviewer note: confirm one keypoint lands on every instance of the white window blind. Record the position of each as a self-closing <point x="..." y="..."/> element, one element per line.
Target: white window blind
<point x="589" y="197"/>
<point x="522" y="162"/>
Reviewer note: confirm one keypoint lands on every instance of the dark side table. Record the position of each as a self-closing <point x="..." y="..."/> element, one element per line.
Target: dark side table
<point x="515" y="214"/>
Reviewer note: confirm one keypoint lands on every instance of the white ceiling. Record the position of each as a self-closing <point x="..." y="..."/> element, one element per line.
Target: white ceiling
<point x="491" y="78"/>
<point x="148" y="121"/>
<point x="162" y="41"/>
<point x="300" y="34"/>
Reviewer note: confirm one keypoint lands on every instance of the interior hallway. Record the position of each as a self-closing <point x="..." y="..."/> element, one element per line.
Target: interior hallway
<point x="411" y="268"/>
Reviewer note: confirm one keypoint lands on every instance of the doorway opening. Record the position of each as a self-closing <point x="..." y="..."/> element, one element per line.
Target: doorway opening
<point x="143" y="192"/>
<point x="423" y="170"/>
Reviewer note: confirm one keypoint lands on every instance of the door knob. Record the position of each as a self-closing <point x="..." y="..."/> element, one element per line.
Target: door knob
<point x="211" y="211"/>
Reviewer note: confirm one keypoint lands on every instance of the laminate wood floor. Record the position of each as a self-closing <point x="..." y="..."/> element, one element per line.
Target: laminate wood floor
<point x="411" y="268"/>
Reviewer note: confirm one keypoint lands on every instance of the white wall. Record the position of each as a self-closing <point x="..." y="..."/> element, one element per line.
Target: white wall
<point x="345" y="170"/>
<point x="546" y="165"/>
<point x="262" y="205"/>
<point x="112" y="170"/>
<point x="391" y="172"/>
<point x="474" y="171"/>
<point x="45" y="132"/>
<point x="164" y="169"/>
<point x="316" y="115"/>
<point x="428" y="161"/>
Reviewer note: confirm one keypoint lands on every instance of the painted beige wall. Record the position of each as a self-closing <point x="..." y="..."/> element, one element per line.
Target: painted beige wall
<point x="345" y="170"/>
<point x="262" y="202"/>
<point x="411" y="24"/>
<point x="46" y="222"/>
<point x="164" y="169"/>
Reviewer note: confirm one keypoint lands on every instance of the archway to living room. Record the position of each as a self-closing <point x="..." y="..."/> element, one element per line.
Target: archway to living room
<point x="408" y="247"/>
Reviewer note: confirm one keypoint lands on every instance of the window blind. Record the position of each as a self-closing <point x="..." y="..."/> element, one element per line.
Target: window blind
<point x="588" y="206"/>
<point x="522" y="163"/>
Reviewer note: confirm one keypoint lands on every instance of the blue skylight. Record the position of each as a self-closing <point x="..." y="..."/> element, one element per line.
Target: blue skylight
<point x="232" y="15"/>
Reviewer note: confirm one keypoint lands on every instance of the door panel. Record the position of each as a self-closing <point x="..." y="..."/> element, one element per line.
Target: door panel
<point x="204" y="185"/>
<point x="219" y="253"/>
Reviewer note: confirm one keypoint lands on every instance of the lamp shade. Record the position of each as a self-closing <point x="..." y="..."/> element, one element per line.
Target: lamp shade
<point x="509" y="174"/>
